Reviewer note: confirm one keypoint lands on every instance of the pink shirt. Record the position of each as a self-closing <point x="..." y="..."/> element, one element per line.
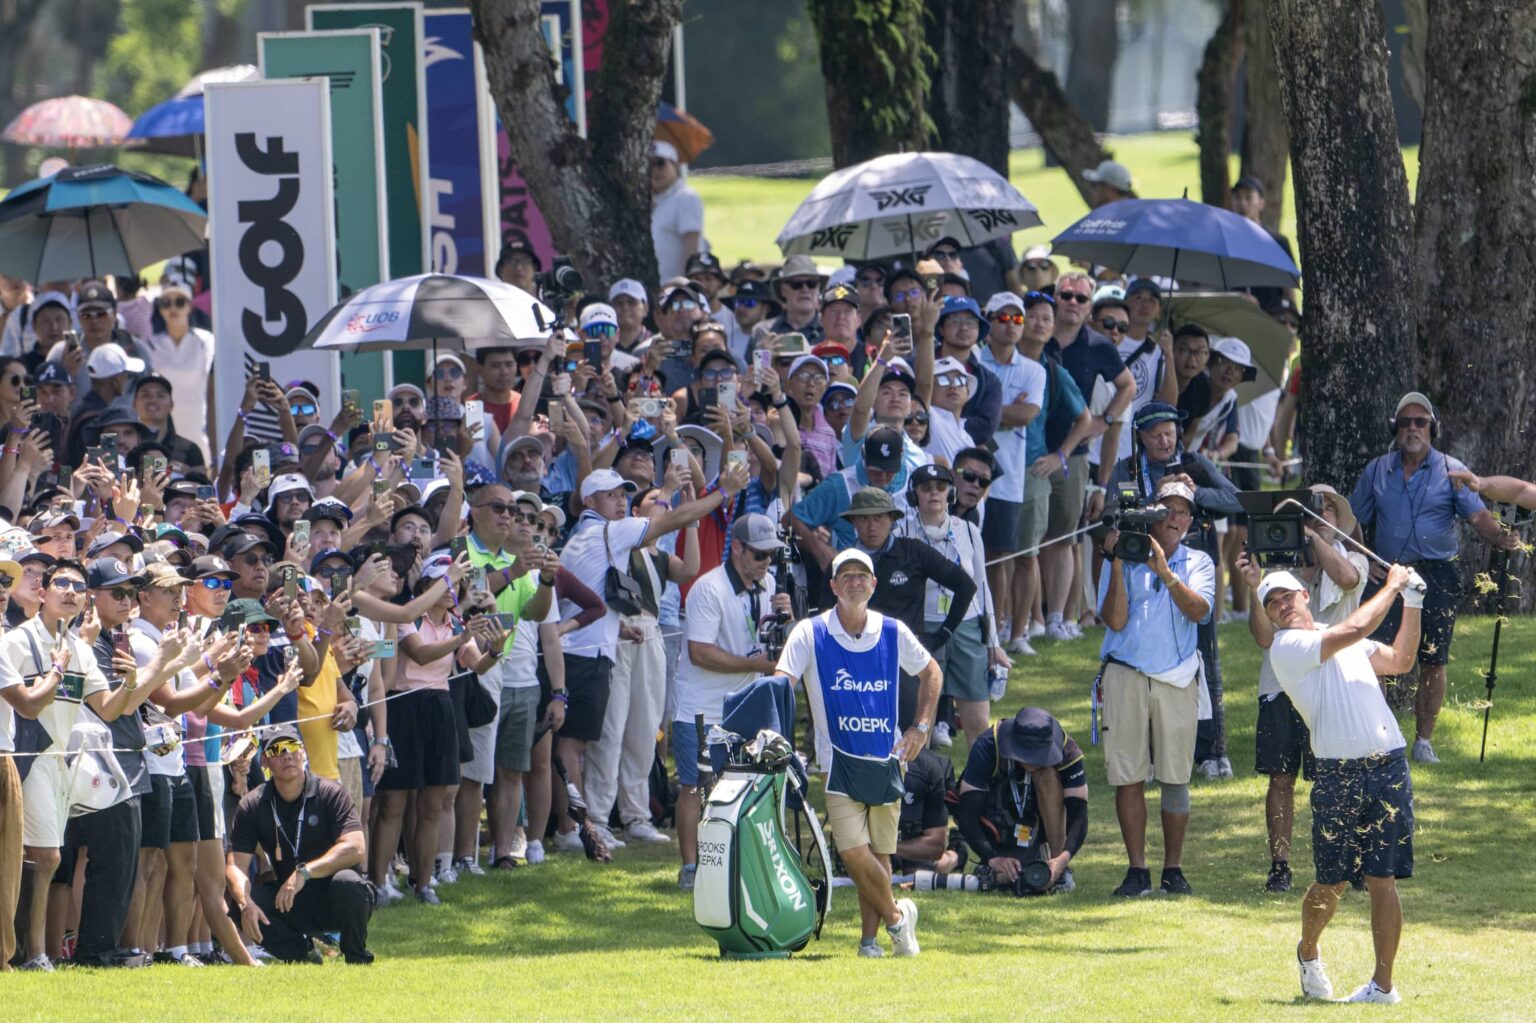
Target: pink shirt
<point x="433" y="674"/>
<point x="822" y="443"/>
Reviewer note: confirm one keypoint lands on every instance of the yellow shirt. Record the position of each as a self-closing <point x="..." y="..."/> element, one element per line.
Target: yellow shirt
<point x="318" y="700"/>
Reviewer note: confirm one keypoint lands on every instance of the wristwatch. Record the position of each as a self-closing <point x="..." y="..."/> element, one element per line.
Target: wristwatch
<point x="922" y="727"/>
<point x="1109" y="419"/>
<point x="303" y="871"/>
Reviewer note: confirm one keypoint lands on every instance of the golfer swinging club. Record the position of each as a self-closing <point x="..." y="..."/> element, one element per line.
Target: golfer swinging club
<point x="851" y="660"/>
<point x="1362" y="796"/>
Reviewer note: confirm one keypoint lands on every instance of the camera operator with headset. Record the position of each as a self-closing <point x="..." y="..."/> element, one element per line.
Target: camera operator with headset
<point x="1025" y="781"/>
<point x="1150" y="679"/>
<point x="1156" y="452"/>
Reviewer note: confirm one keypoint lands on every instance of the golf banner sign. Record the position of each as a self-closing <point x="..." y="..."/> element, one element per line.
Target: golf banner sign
<point x="271" y="232"/>
<point x="351" y="60"/>
<point x="462" y="187"/>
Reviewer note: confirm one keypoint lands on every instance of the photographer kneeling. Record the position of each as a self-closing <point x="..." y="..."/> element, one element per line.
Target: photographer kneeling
<point x="1024" y="781"/>
<point x="1150" y="679"/>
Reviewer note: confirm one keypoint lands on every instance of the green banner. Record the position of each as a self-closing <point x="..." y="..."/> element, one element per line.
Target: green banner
<point x="351" y="60"/>
<point x="401" y="39"/>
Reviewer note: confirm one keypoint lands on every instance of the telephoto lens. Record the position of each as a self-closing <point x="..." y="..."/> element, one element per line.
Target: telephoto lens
<point x="937" y="881"/>
<point x="1034" y="878"/>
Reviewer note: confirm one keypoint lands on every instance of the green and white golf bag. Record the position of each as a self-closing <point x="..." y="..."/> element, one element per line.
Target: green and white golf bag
<point x="750" y="893"/>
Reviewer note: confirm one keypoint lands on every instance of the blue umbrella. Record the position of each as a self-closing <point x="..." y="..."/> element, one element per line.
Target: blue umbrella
<point x="172" y="127"/>
<point x="93" y="221"/>
<point x="1182" y="240"/>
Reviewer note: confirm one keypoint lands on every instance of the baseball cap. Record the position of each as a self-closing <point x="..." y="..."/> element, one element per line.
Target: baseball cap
<point x="703" y="262"/>
<point x="1035" y="252"/>
<point x="1234" y="350"/>
<point x="281" y="739"/>
<point x="870" y="501"/>
<point x="665" y="150"/>
<point x="53" y="373"/>
<point x="332" y="510"/>
<point x="757" y="291"/>
<point x="1154" y="412"/>
<point x="628" y="286"/>
<point x="839" y="387"/>
<point x="410" y="388"/>
<point x="1111" y="173"/>
<point x="116" y="415"/>
<point x="599" y="313"/>
<point x="104" y="573"/>
<point x="321" y="557"/>
<point x="152" y="378"/>
<point x="517" y="244"/>
<point x="1170" y="487"/>
<point x="604" y="480"/>
<point x="1250" y="182"/>
<point x="175" y="286"/>
<point x="756" y="531"/>
<point x="883" y="450"/>
<point x="164" y="575"/>
<point x="951" y="366"/>
<point x="1033" y="737"/>
<point x="106" y="540"/>
<point x="899" y="370"/>
<point x="1278" y="581"/>
<point x="852" y="556"/>
<point x="840" y="293"/>
<point x="109" y="360"/>
<point x="243" y="542"/>
<point x="95" y="294"/>
<point x="289" y="483"/>
<point x="827" y="348"/>
<point x="1415" y="398"/>
<point x="807" y="360"/>
<point x="930" y="473"/>
<point x="1003" y="300"/>
<point x="1145" y="284"/>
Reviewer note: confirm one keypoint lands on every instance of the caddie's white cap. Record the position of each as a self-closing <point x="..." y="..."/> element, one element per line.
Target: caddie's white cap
<point x="1278" y="581"/>
<point x="852" y="555"/>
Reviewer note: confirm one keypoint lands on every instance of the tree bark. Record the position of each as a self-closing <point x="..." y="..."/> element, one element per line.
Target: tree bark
<point x="1266" y="138"/>
<point x="594" y="192"/>
<point x="1215" y="84"/>
<point x="1355" y="228"/>
<point x="968" y="98"/>
<point x="875" y="60"/>
<point x="1094" y="36"/>
<point x="16" y="20"/>
<point x="1476" y="230"/>
<point x="1064" y="131"/>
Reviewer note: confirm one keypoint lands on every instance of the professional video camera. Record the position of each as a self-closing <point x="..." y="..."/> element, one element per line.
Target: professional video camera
<point x="1277" y="536"/>
<point x="773" y="632"/>
<point x="1134" y="519"/>
<point x="560" y="282"/>
<point x="1034" y="878"/>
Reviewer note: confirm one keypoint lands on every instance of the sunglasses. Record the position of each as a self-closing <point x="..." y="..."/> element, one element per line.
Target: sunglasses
<point x="759" y="556"/>
<point x="1112" y="326"/>
<point x="1079" y="297"/>
<point x="257" y="559"/>
<point x="94" y="314"/>
<point x="122" y="593"/>
<point x="1017" y="319"/>
<point x="571" y="365"/>
<point x="172" y="303"/>
<point x="838" y="404"/>
<point x="408" y="400"/>
<point x="527" y="520"/>
<point x="681" y="305"/>
<point x="292" y="497"/>
<point x="803" y="284"/>
<point x="309" y="449"/>
<point x="945" y="253"/>
<point x="917" y="419"/>
<point x="1038" y="264"/>
<point x="6" y="582"/>
<point x="907" y="295"/>
<point x="497" y="507"/>
<point x="971" y="476"/>
<point x="282" y="748"/>
<point x="302" y="410"/>
<point x="950" y="380"/>
<point x="451" y="372"/>
<point x="217" y="584"/>
<point x="718" y="374"/>
<point x="260" y="628"/>
<point x="746" y="303"/>
<point x="835" y="360"/>
<point x="72" y="585"/>
<point x="1422" y="422"/>
<point x="597" y="330"/>
<point x="527" y="358"/>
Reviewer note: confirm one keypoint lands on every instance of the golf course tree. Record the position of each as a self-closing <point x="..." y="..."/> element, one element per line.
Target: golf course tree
<point x="1266" y="136"/>
<point x="968" y="95"/>
<point x="1064" y="132"/>
<point x="876" y="60"/>
<point x="1215" y="94"/>
<point x="593" y="191"/>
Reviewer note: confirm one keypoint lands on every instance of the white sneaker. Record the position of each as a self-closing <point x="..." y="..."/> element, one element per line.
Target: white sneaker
<point x="1369" y="992"/>
<point x="941" y="736"/>
<point x="519" y="846"/>
<point x="645" y="831"/>
<point x="387" y="895"/>
<point x="904" y="932"/>
<point x="535" y="851"/>
<point x="871" y="952"/>
<point x="567" y="841"/>
<point x="1074" y="630"/>
<point x="1314" y="978"/>
<point x="1019" y="646"/>
<point x="1036" y="629"/>
<point x="1057" y="631"/>
<point x="1225" y="766"/>
<point x="1004" y="633"/>
<point x="1210" y="769"/>
<point x="611" y="840"/>
<point x="445" y="875"/>
<point x="1424" y="753"/>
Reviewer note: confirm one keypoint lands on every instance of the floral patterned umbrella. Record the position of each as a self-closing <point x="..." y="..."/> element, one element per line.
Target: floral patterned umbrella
<point x="73" y="122"/>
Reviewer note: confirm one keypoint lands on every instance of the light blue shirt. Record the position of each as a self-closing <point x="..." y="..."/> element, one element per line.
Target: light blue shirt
<point x="1415" y="518"/>
<point x="912" y="456"/>
<point x="1157" y="637"/>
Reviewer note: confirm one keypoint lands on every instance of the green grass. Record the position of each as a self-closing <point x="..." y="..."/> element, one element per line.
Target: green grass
<point x="742" y="216"/>
<point x="571" y="940"/>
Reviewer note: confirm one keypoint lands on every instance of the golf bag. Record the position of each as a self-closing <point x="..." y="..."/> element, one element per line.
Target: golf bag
<point x="751" y="894"/>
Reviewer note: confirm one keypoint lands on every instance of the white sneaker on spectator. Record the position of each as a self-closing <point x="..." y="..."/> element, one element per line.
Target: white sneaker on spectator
<point x="1019" y="645"/>
<point x="1424" y="753"/>
<point x="645" y="831"/>
<point x="568" y="841"/>
<point x="519" y="846"/>
<point x="1074" y="630"/>
<point x="1225" y="766"/>
<point x="1057" y="631"/>
<point x="1369" y="992"/>
<point x="1210" y="769"/>
<point x="465" y="865"/>
<point x="904" y="932"/>
<point x="941" y="736"/>
<point x="535" y="852"/>
<point x="388" y="895"/>
<point x="1314" y="978"/>
<point x="871" y="952"/>
<point x="1036" y="629"/>
<point x="445" y="875"/>
<point x="611" y="840"/>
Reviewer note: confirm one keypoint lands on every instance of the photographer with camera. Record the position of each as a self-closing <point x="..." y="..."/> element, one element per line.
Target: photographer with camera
<point x="722" y="651"/>
<point x="1156" y="452"/>
<point x="1335" y="581"/>
<point x="1150" y="676"/>
<point x="1024" y="803"/>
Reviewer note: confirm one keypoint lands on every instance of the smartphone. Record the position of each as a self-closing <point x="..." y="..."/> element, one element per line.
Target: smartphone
<point x="727" y="393"/>
<point x="708" y="397"/>
<point x="181" y="618"/>
<point x="679" y="456"/>
<point x="66" y="477"/>
<point x="682" y="349"/>
<point x="383" y="649"/>
<point x="477" y="580"/>
<point x="71" y="340"/>
<point x="378" y="547"/>
<point x="351" y="401"/>
<point x="28" y="393"/>
<point x="300" y="537"/>
<point x="290" y="654"/>
<point x="762" y="358"/>
<point x="474" y="416"/>
<point x="354" y="624"/>
<point x="207" y="493"/>
<point x="154" y="464"/>
<point x="423" y="469"/>
<point x="291" y="579"/>
<point x="384" y="409"/>
<point x="380" y="487"/>
<point x="120" y="643"/>
<point x="108" y="442"/>
<point x="458" y="545"/>
<point x="71" y="687"/>
<point x="556" y="417"/>
<point x="264" y="371"/>
<point x="901" y="333"/>
<point x="592" y="351"/>
<point x="507" y="621"/>
<point x="735" y="458"/>
<point x="340" y="583"/>
<point x="261" y="466"/>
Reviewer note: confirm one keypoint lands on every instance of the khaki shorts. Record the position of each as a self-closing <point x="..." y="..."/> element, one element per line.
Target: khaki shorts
<point x="1069" y="493"/>
<point x="1146" y="721"/>
<point x="1034" y="514"/>
<point x="855" y="824"/>
<point x="350" y="770"/>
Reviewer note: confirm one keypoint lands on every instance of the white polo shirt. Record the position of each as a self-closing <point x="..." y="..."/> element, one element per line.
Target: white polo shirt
<point x="722" y="615"/>
<point x="1330" y="606"/>
<point x="588" y="559"/>
<point x="1018" y="376"/>
<point x="1339" y="698"/>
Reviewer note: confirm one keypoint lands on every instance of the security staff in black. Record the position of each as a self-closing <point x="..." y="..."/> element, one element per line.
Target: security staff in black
<point x="310" y="830"/>
<point x="1024" y="801"/>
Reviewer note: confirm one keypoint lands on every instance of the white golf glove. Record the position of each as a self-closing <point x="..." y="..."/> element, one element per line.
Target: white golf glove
<point x="1413" y="593"/>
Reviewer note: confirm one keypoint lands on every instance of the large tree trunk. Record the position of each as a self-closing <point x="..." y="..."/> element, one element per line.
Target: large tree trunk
<point x="16" y="19"/>
<point x="1266" y="138"/>
<point x="875" y="59"/>
<point x="1215" y="84"/>
<point x="969" y="94"/>
<point x="594" y="192"/>
<point x="1094" y="37"/>
<point x="1067" y="136"/>
<point x="1355" y="229"/>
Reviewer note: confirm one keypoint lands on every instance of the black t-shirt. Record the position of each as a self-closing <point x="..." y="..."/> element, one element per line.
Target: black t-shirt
<point x="1196" y="396"/>
<point x="295" y="832"/>
<point x="904" y="568"/>
<point x="1010" y="795"/>
<point x="1091" y="357"/>
<point x="929" y="778"/>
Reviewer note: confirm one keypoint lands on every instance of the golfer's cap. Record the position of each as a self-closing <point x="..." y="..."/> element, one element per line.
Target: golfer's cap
<point x="630" y="287"/>
<point x="840" y="292"/>
<point x="175" y="286"/>
<point x="284" y="735"/>
<point x="528" y="497"/>
<point x="1234" y="350"/>
<point x="827" y="348"/>
<point x="604" y="480"/>
<point x="554" y="512"/>
<point x="314" y="430"/>
<point x="109" y="360"/>
<point x="153" y="378"/>
<point x="1004" y="300"/>
<point x="664" y="150"/>
<point x="1176" y="488"/>
<point x="1415" y="398"/>
<point x="1035" y="252"/>
<point x="1277" y="581"/>
<point x="106" y="540"/>
<point x="452" y="357"/>
<point x="53" y="373"/>
<point x="95" y="295"/>
<point x="164" y="575"/>
<point x="57" y="298"/>
<point x="852" y="557"/>
<point x="330" y="509"/>
<point x="1111" y="173"/>
<point x="599" y="313"/>
<point x="756" y="531"/>
<point x="703" y="263"/>
<point x="931" y="473"/>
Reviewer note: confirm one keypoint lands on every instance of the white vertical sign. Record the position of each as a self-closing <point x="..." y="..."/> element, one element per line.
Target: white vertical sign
<point x="271" y="228"/>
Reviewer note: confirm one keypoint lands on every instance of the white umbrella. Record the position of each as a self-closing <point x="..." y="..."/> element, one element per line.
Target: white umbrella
<point x="432" y="311"/>
<point x="901" y="204"/>
<point x="219" y="76"/>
